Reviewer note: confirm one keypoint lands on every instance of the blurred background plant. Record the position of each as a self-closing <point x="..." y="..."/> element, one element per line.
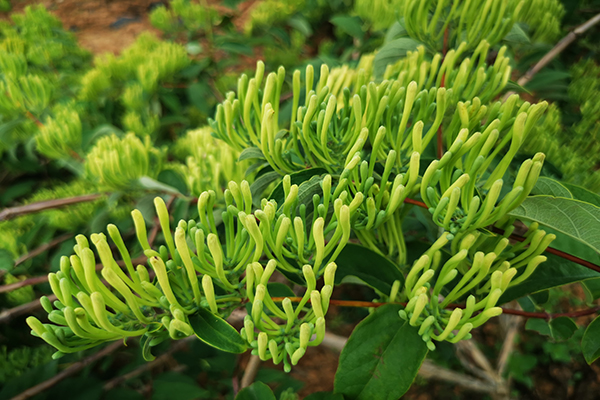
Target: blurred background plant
<point x="86" y="138"/>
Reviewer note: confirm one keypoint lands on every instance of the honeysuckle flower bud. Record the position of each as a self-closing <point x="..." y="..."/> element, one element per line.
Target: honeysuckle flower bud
<point x="305" y="334"/>
<point x="419" y="307"/>
<point x="485" y="316"/>
<point x="462" y="333"/>
<point x="425" y="277"/>
<point x="317" y="307"/>
<point x="297" y="355"/>
<point x="257" y="309"/>
<point x="163" y="218"/>
<point x="263" y="342"/>
<point x="209" y="293"/>
<point x="179" y="326"/>
<point x="249" y="328"/>
<point x="319" y="240"/>
<point x="326" y="292"/>
<point x="184" y="253"/>
<point x="161" y="274"/>
<point x="426" y="324"/>
<point x="274" y="350"/>
<point x="256" y="235"/>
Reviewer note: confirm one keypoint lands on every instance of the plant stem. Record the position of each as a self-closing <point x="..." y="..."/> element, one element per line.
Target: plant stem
<point x="73" y="369"/>
<point x="36" y="252"/>
<point x="556" y="50"/>
<point x="12" y="212"/>
<point x="544" y="315"/>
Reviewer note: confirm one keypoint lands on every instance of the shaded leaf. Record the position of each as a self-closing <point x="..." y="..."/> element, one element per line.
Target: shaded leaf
<point x="251" y="152"/>
<point x="261" y="184"/>
<point x="538" y="325"/>
<point x="382" y="357"/>
<point x="397" y="30"/>
<point x="216" y="332"/>
<point x="256" y="391"/>
<point x="583" y="194"/>
<point x="358" y="261"/>
<point x="392" y="52"/>
<point x="350" y="25"/>
<point x="172" y="385"/>
<point x="562" y="328"/>
<point x="152" y="184"/>
<point x="324" y="396"/>
<point x="592" y="289"/>
<point x="517" y="35"/>
<point x="590" y="344"/>
<point x="572" y="217"/>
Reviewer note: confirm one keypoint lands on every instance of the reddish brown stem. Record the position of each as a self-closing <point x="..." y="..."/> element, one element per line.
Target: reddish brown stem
<point x="544" y="315"/>
<point x="36" y="252"/>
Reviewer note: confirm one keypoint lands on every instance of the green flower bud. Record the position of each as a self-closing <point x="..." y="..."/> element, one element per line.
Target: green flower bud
<point x="315" y="299"/>
<point x="209" y="293"/>
<point x="249" y="328"/>
<point x="298" y="354"/>
<point x="263" y="342"/>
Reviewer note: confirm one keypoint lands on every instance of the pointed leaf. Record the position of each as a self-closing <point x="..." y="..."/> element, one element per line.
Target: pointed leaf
<point x="382" y="357"/>
<point x="152" y="184"/>
<point x="392" y="52"/>
<point x="583" y="194"/>
<point x="251" y="152"/>
<point x="358" y="261"/>
<point x="590" y="344"/>
<point x="550" y="187"/>
<point x="261" y="184"/>
<point x="256" y="391"/>
<point x="324" y="396"/>
<point x="572" y="217"/>
<point x="216" y="332"/>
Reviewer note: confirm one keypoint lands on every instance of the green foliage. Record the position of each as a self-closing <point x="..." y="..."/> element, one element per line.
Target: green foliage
<point x="312" y="177"/>
<point x="15" y="362"/>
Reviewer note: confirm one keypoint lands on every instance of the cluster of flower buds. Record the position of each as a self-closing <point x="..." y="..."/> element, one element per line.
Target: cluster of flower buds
<point x="60" y="135"/>
<point x="25" y="93"/>
<point x="469" y="78"/>
<point x="210" y="163"/>
<point x="481" y="268"/>
<point x="288" y="340"/>
<point x="147" y="63"/>
<point x="115" y="162"/>
<point x="453" y="187"/>
<point x="543" y="19"/>
<point x="470" y="21"/>
<point x="381" y="14"/>
<point x="323" y="132"/>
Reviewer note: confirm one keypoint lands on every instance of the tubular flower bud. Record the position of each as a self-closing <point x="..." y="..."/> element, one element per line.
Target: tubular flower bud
<point x="209" y="293"/>
<point x="263" y="342"/>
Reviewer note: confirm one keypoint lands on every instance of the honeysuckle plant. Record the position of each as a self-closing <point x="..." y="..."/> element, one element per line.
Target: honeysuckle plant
<point x="333" y="179"/>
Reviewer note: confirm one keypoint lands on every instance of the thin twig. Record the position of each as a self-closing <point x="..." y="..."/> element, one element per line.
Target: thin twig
<point x="514" y="325"/>
<point x="39" y="250"/>
<point x="556" y="50"/>
<point x="162" y="359"/>
<point x="13" y="212"/>
<point x="26" y="308"/>
<point x="73" y="369"/>
<point x="250" y="371"/>
<point x="510" y="311"/>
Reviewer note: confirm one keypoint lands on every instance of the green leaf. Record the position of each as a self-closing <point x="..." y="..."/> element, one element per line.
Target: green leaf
<point x="562" y="328"/>
<point x="590" y="344"/>
<point x="550" y="187"/>
<point x="538" y="325"/>
<point x="592" y="289"/>
<point x="396" y="31"/>
<point x="358" y="261"/>
<point x="554" y="272"/>
<point x="152" y="184"/>
<point x="216" y="332"/>
<point x="6" y="260"/>
<point x="350" y="25"/>
<point x="173" y="179"/>
<point x="301" y="24"/>
<point x="297" y="178"/>
<point x="261" y="184"/>
<point x="256" y="391"/>
<point x="583" y="194"/>
<point x="382" y="357"/>
<point x="277" y="289"/>
<point x="572" y="217"/>
<point x="251" y="152"/>
<point x="392" y="52"/>
<point x="198" y="93"/>
<point x="517" y="35"/>
<point x="175" y="385"/>
<point x="324" y="396"/>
